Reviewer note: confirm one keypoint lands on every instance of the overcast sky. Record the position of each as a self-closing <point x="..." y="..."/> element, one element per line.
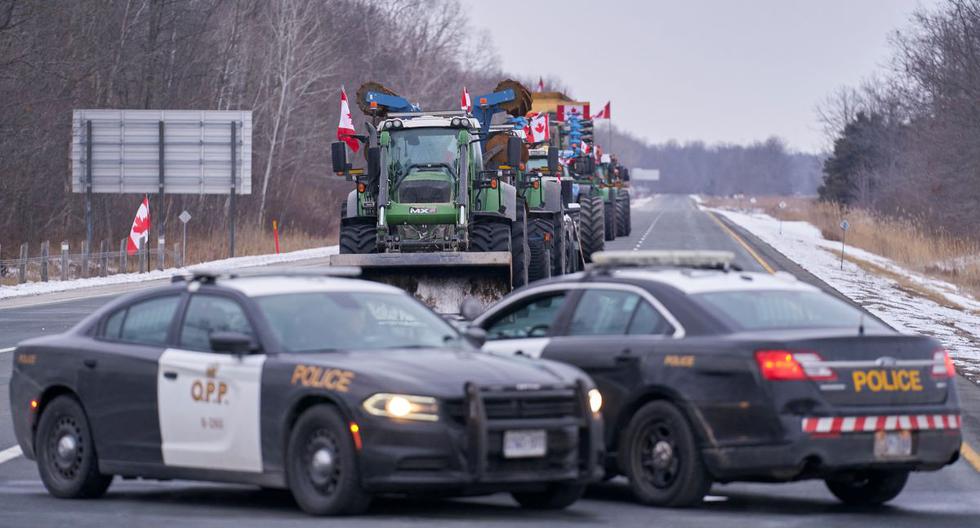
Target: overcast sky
<point x="715" y="70"/>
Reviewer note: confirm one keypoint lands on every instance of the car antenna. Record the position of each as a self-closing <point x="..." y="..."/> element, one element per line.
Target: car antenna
<point x="861" y="325"/>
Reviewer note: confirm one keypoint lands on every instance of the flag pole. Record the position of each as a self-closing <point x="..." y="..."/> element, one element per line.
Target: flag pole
<point x="609" y="117"/>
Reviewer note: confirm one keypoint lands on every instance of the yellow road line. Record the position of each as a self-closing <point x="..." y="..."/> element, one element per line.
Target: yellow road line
<point x="765" y="265"/>
<point x="970" y="455"/>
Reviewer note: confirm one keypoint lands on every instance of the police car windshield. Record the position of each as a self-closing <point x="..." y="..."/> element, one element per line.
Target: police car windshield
<point x="325" y="321"/>
<point x="784" y="309"/>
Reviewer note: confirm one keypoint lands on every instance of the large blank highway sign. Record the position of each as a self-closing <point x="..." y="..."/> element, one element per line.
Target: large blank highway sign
<point x="197" y="151"/>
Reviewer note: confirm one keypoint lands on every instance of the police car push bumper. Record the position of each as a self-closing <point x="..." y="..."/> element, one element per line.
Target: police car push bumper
<point x="489" y="440"/>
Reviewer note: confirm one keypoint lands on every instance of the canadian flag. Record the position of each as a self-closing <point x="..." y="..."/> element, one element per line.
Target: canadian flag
<point x="466" y="103"/>
<point x="565" y="111"/>
<point x="345" y="129"/>
<point x="141" y="228"/>
<point x="585" y="147"/>
<point x="540" y="84"/>
<point x="538" y="130"/>
<point x="605" y="113"/>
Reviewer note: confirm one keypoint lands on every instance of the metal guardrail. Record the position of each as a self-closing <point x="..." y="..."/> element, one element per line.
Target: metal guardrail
<point x="45" y="265"/>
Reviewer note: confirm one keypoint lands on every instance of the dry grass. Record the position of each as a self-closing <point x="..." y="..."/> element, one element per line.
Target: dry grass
<point x="201" y="247"/>
<point x="250" y="240"/>
<point x="906" y="241"/>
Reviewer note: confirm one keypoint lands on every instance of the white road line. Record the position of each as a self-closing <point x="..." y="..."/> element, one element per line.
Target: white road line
<point x="10" y="453"/>
<point x="649" y="229"/>
<point x="5" y="350"/>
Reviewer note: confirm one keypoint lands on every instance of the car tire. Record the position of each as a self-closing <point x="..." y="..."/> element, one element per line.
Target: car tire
<point x="321" y="466"/>
<point x="661" y="458"/>
<point x="66" y="456"/>
<point x="557" y="496"/>
<point x="867" y="488"/>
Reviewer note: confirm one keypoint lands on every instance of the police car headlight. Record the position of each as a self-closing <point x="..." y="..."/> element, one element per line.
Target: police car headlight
<point x="403" y="407"/>
<point x="595" y="401"/>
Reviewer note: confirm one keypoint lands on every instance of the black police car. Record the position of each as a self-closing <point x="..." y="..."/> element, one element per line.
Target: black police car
<point x="335" y="388"/>
<point x="715" y="375"/>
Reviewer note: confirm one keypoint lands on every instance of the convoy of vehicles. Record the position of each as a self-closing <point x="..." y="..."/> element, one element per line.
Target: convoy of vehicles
<point x="334" y="388"/>
<point x="709" y="374"/>
<point x="673" y="369"/>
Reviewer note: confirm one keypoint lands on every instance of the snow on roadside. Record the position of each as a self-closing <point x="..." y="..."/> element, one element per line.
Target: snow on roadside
<point x="801" y="242"/>
<point x="37" y="288"/>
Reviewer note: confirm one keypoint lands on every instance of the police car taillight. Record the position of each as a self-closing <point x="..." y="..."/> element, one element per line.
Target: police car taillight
<point x="942" y="365"/>
<point x="785" y="365"/>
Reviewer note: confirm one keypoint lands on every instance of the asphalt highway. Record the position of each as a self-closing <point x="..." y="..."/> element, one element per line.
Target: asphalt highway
<point x="950" y="497"/>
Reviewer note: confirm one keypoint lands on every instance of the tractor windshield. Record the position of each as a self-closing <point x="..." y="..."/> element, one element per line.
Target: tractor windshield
<point x="425" y="147"/>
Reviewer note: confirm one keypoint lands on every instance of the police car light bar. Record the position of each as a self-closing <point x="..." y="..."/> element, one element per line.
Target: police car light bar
<point x="211" y="275"/>
<point x="665" y="258"/>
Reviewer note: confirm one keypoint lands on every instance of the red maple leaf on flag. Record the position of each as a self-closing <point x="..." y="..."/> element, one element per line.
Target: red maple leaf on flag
<point x="539" y="128"/>
<point x="141" y="225"/>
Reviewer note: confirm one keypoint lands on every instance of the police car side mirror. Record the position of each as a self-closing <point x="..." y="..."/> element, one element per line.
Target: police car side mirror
<point x="475" y="335"/>
<point x="232" y="343"/>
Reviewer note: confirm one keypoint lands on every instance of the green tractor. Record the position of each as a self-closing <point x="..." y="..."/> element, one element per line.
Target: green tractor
<point x="553" y="216"/>
<point x="440" y="209"/>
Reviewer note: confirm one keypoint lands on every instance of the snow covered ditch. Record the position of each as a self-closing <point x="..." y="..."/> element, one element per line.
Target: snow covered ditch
<point x="906" y="300"/>
<point x="38" y="288"/>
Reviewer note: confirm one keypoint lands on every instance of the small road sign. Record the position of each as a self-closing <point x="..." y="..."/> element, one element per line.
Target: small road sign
<point x="845" y="224"/>
<point x="185" y="217"/>
<point x="782" y="205"/>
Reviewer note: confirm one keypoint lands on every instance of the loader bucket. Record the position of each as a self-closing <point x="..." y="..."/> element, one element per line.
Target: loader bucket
<point x="440" y="280"/>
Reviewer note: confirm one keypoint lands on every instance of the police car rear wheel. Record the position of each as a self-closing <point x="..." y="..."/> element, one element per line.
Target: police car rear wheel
<point x="66" y="456"/>
<point x="557" y="496"/>
<point x="321" y="468"/>
<point x="868" y="488"/>
<point x="661" y="458"/>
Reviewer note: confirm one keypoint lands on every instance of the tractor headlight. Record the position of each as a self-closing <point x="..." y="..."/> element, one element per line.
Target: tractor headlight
<point x="595" y="401"/>
<point x="403" y="407"/>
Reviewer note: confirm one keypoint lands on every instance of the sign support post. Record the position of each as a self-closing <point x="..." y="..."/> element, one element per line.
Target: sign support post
<point x="162" y="226"/>
<point x="231" y="203"/>
<point x="88" y="182"/>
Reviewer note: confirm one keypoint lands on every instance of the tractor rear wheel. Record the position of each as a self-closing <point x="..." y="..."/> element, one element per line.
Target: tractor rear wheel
<point x="488" y="235"/>
<point x="540" y="237"/>
<point x="592" y="225"/>
<point x="610" y="217"/>
<point x="559" y="253"/>
<point x="623" y="212"/>
<point x="358" y="237"/>
<point x="519" y="251"/>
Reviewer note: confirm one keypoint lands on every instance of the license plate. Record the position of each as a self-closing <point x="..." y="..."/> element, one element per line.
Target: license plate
<point x="525" y="444"/>
<point x="893" y="444"/>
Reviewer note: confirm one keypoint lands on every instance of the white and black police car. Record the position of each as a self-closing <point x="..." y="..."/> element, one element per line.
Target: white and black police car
<point x="335" y="388"/>
<point x="709" y="374"/>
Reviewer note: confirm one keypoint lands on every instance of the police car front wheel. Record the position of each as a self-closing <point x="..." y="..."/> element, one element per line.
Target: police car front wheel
<point x="66" y="455"/>
<point x="321" y="467"/>
<point x="867" y="488"/>
<point x="661" y="458"/>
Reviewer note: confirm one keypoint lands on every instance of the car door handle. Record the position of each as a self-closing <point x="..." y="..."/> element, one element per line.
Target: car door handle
<point x="520" y="353"/>
<point x="170" y="375"/>
<point x="626" y="357"/>
<point x="90" y="363"/>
